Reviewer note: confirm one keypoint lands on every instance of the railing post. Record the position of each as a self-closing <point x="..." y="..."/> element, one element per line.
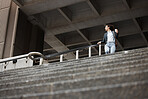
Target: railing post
<point x="77" y="54"/>
<point x="41" y="61"/>
<point x="99" y="49"/>
<point x="89" y="54"/>
<point x="61" y="58"/>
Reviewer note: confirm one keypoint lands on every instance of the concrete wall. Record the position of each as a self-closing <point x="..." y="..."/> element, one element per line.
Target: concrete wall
<point x="20" y="63"/>
<point x="4" y="13"/>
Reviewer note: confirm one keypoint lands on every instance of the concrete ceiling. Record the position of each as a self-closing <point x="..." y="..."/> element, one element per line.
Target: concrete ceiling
<point x="73" y="23"/>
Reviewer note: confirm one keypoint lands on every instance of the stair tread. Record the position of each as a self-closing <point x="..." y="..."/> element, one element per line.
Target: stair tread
<point x="57" y="73"/>
<point x="62" y="68"/>
<point x="121" y="75"/>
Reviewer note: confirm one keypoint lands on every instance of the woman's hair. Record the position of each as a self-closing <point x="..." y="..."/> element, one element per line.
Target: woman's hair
<point x="111" y="27"/>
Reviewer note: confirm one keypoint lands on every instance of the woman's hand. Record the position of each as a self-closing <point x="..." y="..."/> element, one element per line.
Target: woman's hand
<point x="99" y="43"/>
<point x="116" y="30"/>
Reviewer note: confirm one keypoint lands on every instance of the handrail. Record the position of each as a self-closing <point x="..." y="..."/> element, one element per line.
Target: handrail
<point x="13" y="58"/>
<point x="35" y="53"/>
<point x="65" y="52"/>
<point x="42" y="56"/>
<point x="22" y="56"/>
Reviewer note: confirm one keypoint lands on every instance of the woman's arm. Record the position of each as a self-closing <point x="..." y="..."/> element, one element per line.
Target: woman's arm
<point x="103" y="41"/>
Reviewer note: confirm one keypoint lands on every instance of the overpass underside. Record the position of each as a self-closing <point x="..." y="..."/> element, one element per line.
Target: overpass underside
<point x="69" y="24"/>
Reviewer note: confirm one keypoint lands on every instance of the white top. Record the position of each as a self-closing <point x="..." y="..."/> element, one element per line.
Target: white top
<point x="110" y="37"/>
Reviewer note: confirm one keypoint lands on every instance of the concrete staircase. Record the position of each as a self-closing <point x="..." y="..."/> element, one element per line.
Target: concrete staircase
<point x="123" y="75"/>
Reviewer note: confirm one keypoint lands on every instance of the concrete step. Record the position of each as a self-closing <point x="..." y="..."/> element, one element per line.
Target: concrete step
<point x="59" y="72"/>
<point x="131" y="90"/>
<point x="117" y="56"/>
<point x="76" y="62"/>
<point x="41" y="71"/>
<point x="50" y="74"/>
<point x="110" y="76"/>
<point x="73" y="84"/>
<point x="65" y="85"/>
<point x="99" y="59"/>
<point x="77" y="70"/>
<point x="64" y="77"/>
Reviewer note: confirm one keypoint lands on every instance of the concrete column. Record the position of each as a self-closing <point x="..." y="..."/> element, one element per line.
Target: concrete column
<point x="4" y="13"/>
<point x="1" y="48"/>
<point x="5" y="4"/>
<point x="11" y="31"/>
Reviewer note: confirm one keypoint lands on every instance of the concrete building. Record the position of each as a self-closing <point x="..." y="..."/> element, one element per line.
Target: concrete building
<point x="51" y="26"/>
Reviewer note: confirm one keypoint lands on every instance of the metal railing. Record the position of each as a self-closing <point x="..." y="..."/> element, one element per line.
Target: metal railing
<point x="47" y="57"/>
<point x="13" y="58"/>
<point x="29" y="55"/>
<point x="61" y="54"/>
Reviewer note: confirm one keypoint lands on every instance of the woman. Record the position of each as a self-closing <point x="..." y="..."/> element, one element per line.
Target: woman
<point x="110" y="39"/>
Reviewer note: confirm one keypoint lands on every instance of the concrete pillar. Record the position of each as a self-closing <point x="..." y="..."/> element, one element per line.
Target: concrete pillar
<point x="5" y="4"/>
<point x="1" y="49"/>
<point x="11" y="31"/>
<point x="4" y="13"/>
<point x="17" y="35"/>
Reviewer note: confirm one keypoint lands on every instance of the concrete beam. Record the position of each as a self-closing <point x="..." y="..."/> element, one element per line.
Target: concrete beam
<point x="68" y="18"/>
<point x="86" y="40"/>
<point x="140" y="31"/>
<point x="53" y="41"/>
<point x="43" y="5"/>
<point x="126" y="3"/>
<point x="66" y="13"/>
<point x="78" y="43"/>
<point x="17" y="3"/>
<point x="133" y="41"/>
<point x="74" y="27"/>
<point x="93" y="5"/>
<point x="94" y="40"/>
<point x="57" y="45"/>
<point x="98" y="21"/>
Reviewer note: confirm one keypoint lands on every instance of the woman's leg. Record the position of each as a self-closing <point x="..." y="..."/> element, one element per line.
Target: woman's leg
<point x="113" y="48"/>
<point x="106" y="48"/>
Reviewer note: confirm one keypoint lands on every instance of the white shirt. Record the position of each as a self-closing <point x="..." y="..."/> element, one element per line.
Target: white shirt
<point x="110" y="36"/>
